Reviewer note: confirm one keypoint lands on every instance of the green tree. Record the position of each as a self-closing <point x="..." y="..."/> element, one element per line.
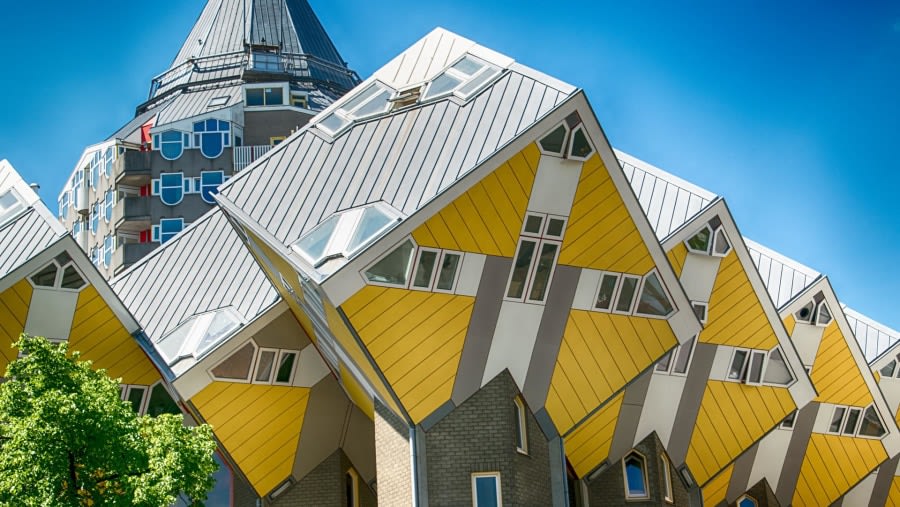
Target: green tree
<point x="67" y="439"/>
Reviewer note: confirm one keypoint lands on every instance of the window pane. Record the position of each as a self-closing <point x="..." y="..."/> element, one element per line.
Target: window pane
<point x="653" y="299"/>
<point x="136" y="397"/>
<point x="836" y="419"/>
<point x="379" y="104"/>
<point x="777" y="371"/>
<point x="447" y="275"/>
<point x="264" y="367"/>
<point x="160" y="402"/>
<point x="533" y="224"/>
<point x="789" y="420"/>
<point x="683" y="357"/>
<point x="45" y="277"/>
<point x="427" y="260"/>
<point x="735" y="372"/>
<point x="634" y="477"/>
<point x="542" y="274"/>
<point x="555" y="227"/>
<point x="663" y="364"/>
<point x="441" y="85"/>
<point x="699" y="311"/>
<point x="372" y="222"/>
<point x="553" y="142"/>
<point x="721" y="246"/>
<point x="468" y="66"/>
<point x="486" y="492"/>
<point x="274" y="96"/>
<point x="285" y="367"/>
<point x="518" y="418"/>
<point x="805" y="313"/>
<point x="255" y="97"/>
<point x="236" y="367"/>
<point x="221" y="325"/>
<point x="824" y="316"/>
<point x="581" y="148"/>
<point x="333" y="122"/>
<point x="626" y="295"/>
<point x="520" y="269"/>
<point x="394" y="268"/>
<point x="747" y="502"/>
<point x="700" y="242"/>
<point x="477" y="82"/>
<point x="607" y="288"/>
<point x="888" y="370"/>
<point x="852" y="419"/>
<point x="314" y="243"/>
<point x="871" y="424"/>
<point x="756" y="366"/>
<point x="71" y="278"/>
<point x="211" y="144"/>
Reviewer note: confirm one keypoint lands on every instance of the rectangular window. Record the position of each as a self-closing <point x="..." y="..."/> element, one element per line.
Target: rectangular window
<point x="521" y="425"/>
<point x="425" y="266"/>
<point x="788" y="422"/>
<point x="837" y="419"/>
<point x="666" y="472"/>
<point x="852" y="421"/>
<point x="287" y="360"/>
<point x="738" y="361"/>
<point x="755" y="371"/>
<point x="521" y="267"/>
<point x="265" y="366"/>
<point x="607" y="290"/>
<point x="626" y="294"/>
<point x="449" y="265"/>
<point x="535" y="258"/>
<point x="486" y="490"/>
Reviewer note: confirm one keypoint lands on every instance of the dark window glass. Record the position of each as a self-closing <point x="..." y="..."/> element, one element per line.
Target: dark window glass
<point x="635" y="481"/>
<point x="520" y="269"/>
<point x="236" y="367"/>
<point x="447" y="274"/>
<point x="607" y="289"/>
<point x="285" y="367"/>
<point x="46" y="277"/>
<point x="554" y="141"/>
<point x="486" y="492"/>
<point x="264" y="367"/>
<point x="136" y="397"/>
<point x="626" y="295"/>
<point x="71" y="279"/>
<point x="427" y="260"/>
<point x="542" y="273"/>
<point x="160" y="402"/>
<point x="274" y="96"/>
<point x="581" y="148"/>
<point x="836" y="419"/>
<point x="871" y="424"/>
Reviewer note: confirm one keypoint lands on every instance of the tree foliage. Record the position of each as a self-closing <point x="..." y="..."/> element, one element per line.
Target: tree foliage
<point x="67" y="439"/>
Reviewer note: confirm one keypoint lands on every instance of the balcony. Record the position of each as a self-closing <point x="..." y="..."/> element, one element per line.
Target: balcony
<point x="129" y="253"/>
<point x="132" y="214"/>
<point x="246" y="155"/>
<point x="133" y="168"/>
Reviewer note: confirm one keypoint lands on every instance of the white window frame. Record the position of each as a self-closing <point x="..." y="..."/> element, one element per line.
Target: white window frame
<point x="159" y="188"/>
<point x="817" y="314"/>
<point x="812" y="313"/>
<point x="417" y="256"/>
<point x="259" y="353"/>
<point x="251" y="370"/>
<point x="705" y="306"/>
<point x="640" y="290"/>
<point x="463" y="78"/>
<point x="571" y="144"/>
<point x="342" y="235"/>
<point x="145" y="399"/>
<point x="789" y="422"/>
<point x="349" y="116"/>
<point x="715" y="240"/>
<point x="437" y="272"/>
<point x="278" y="358"/>
<point x="522" y="436"/>
<point x="673" y="358"/>
<point x="496" y="476"/>
<point x="712" y="238"/>
<point x="57" y="282"/>
<point x="646" y="477"/>
<point x="615" y="291"/>
<point x="762" y="368"/>
<point x="540" y="239"/>
<point x="413" y="267"/>
<point x="565" y="144"/>
<point x="634" y="297"/>
<point x="666" y="472"/>
<point x="742" y="374"/>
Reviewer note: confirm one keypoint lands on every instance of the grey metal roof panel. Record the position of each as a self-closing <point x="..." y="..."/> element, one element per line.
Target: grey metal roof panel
<point x="23" y="238"/>
<point x="785" y="278"/>
<point x="393" y="158"/>
<point x="190" y="103"/>
<point x="874" y="338"/>
<point x="126" y="131"/>
<point x="204" y="268"/>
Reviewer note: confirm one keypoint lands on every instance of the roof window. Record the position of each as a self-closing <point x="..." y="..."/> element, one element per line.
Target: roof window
<point x="218" y="101"/>
<point x="375" y="99"/>
<point x="463" y="78"/>
<point x="199" y="334"/>
<point x="345" y="233"/>
<point x="11" y="203"/>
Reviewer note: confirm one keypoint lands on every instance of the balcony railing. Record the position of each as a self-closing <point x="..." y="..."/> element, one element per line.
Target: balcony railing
<point x="246" y="155"/>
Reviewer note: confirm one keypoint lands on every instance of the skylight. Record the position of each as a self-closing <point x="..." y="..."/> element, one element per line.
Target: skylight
<point x="464" y="78"/>
<point x="373" y="100"/>
<point x="198" y="335"/>
<point x="10" y="204"/>
<point x="344" y="234"/>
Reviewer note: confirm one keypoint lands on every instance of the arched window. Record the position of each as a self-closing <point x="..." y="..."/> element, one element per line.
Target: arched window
<point x="209" y="185"/>
<point x="212" y="136"/>
<point x="634" y="469"/>
<point x="171" y="144"/>
<point x="171" y="188"/>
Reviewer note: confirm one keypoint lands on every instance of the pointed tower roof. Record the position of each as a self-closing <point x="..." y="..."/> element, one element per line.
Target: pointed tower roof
<point x="254" y="39"/>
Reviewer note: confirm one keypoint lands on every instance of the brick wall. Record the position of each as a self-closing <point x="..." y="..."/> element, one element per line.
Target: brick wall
<point x="479" y="436"/>
<point x="608" y="489"/>
<point x="392" y="459"/>
<point x="325" y="486"/>
<point x="762" y="493"/>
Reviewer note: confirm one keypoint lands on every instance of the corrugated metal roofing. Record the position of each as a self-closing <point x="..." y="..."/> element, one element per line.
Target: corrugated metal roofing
<point x="393" y="158"/>
<point x="785" y="278"/>
<point x="668" y="201"/>
<point x="220" y="29"/>
<point x="204" y="268"/>
<point x="134" y="124"/>
<point x="874" y="338"/>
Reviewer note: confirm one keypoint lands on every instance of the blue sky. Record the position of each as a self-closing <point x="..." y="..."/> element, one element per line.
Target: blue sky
<point x="790" y="110"/>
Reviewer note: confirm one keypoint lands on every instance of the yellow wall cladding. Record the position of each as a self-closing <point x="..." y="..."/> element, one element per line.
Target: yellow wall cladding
<point x="893" y="499"/>
<point x="487" y="218"/>
<point x="259" y="426"/>
<point x="585" y="377"/>
<point x="736" y="316"/>
<point x="716" y="490"/>
<point x="789" y="324"/>
<point x="14" y="303"/>
<point x="588" y="446"/>
<point x="99" y="335"/>
<point x="732" y="417"/>
<point x="416" y="339"/>
<point x="832" y="465"/>
<point x="601" y="233"/>
<point x="835" y="374"/>
<point x="357" y="394"/>
<point x="677" y="257"/>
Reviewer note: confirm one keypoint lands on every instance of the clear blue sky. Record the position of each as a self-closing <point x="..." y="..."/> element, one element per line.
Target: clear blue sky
<point x="790" y="110"/>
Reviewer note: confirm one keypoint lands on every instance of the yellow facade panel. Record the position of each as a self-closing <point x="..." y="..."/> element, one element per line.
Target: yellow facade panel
<point x="736" y="316"/>
<point x="832" y="465"/>
<point x="835" y="373"/>
<point x="588" y="446"/>
<point x="487" y="218"/>
<point x="599" y="354"/>
<point x="677" y="256"/>
<point x="102" y="338"/>
<point x="717" y="489"/>
<point x="732" y="416"/>
<point x="893" y="499"/>
<point x="357" y="394"/>
<point x="262" y="441"/>
<point x="789" y="324"/>
<point x="416" y="338"/>
<point x="14" y="303"/>
<point x="601" y="233"/>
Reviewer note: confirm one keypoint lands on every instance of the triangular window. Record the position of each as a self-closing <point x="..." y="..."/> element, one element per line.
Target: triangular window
<point x="653" y="299"/>
<point x="394" y="268"/>
<point x="344" y="234"/>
